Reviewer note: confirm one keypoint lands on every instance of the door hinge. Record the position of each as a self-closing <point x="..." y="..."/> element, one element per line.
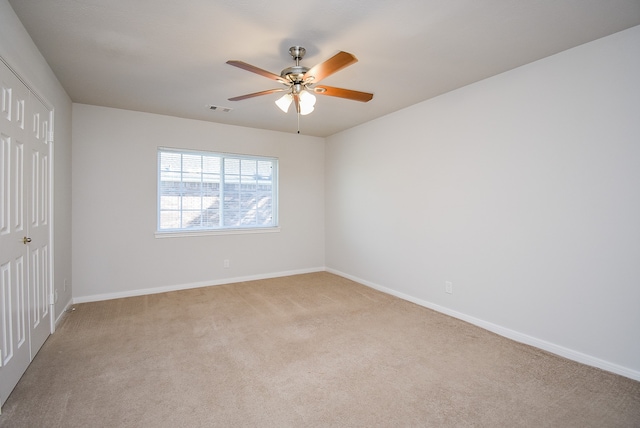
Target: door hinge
<point x="52" y="299"/>
<point x="50" y="137"/>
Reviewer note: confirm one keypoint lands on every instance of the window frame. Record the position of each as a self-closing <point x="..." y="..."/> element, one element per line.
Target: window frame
<point x="180" y="232"/>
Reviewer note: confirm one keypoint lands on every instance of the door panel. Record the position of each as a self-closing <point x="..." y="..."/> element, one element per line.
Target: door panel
<point x="15" y="353"/>
<point x="39" y="224"/>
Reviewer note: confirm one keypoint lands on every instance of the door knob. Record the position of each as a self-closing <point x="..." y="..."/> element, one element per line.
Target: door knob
<point x="26" y="240"/>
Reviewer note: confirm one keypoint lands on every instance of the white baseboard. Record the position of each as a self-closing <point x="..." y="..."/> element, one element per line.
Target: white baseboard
<point x="505" y="332"/>
<point x="495" y="328"/>
<point x="156" y="290"/>
<point x="62" y="313"/>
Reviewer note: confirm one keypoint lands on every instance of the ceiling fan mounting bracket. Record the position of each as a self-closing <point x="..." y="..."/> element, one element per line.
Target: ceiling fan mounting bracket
<point x="297" y="52"/>
<point x="295" y="74"/>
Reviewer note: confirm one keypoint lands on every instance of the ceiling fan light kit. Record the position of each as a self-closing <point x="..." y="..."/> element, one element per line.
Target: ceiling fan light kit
<point x="306" y="102"/>
<point x="299" y="81"/>
<point x="284" y="102"/>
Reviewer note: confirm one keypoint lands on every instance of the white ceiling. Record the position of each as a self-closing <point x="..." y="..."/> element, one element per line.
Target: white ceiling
<point x="168" y="56"/>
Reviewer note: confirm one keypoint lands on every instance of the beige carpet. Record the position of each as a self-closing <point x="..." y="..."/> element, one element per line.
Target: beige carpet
<point x="301" y="351"/>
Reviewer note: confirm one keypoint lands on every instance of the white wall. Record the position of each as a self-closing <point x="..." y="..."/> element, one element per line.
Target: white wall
<point x="522" y="189"/>
<point x="17" y="48"/>
<point x="115" y="252"/>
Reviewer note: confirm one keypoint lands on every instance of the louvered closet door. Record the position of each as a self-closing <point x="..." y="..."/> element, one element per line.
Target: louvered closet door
<point x="25" y="320"/>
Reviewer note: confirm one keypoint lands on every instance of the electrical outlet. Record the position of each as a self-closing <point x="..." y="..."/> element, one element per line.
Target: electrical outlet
<point x="226" y="263"/>
<point x="448" y="287"/>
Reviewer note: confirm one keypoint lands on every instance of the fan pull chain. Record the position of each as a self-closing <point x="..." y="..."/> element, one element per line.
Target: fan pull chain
<point x="298" y="122"/>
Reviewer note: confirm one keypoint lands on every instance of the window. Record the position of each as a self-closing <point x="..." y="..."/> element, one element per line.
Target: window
<point x="201" y="191"/>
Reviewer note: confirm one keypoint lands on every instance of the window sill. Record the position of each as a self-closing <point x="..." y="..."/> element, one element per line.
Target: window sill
<point x="182" y="234"/>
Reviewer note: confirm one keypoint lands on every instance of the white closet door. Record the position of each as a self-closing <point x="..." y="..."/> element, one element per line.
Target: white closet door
<point x="25" y="320"/>
<point x="38" y="223"/>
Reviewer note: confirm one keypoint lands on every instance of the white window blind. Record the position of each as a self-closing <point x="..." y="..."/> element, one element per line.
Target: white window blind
<point x="213" y="191"/>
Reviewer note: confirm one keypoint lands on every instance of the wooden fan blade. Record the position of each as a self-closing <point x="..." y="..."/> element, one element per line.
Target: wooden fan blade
<point x="343" y="93"/>
<point x="256" y="94"/>
<point x="257" y="70"/>
<point x="330" y="66"/>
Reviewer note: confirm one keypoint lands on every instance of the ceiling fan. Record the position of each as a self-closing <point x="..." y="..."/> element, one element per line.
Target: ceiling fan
<point x="299" y="81"/>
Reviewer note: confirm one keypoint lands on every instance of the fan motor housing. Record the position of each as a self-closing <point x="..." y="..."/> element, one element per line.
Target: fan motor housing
<point x="294" y="73"/>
